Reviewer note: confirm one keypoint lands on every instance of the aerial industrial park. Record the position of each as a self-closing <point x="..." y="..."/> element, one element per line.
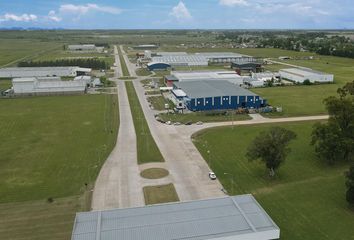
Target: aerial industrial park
<point x="175" y="134"/>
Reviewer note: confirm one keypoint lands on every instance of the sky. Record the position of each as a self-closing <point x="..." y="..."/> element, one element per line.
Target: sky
<point x="178" y="14"/>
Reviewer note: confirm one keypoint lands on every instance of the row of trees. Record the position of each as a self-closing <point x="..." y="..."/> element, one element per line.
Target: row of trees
<point x="333" y="140"/>
<point x="93" y="63"/>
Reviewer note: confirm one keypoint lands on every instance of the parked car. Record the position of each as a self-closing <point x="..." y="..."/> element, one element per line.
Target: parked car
<point x="212" y="176"/>
<point x="188" y="123"/>
<point x="168" y="123"/>
<point x="199" y="123"/>
<point x="177" y="123"/>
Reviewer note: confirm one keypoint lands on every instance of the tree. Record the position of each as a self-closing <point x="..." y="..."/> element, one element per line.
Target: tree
<point x="271" y="147"/>
<point x="334" y="140"/>
<point x="328" y="142"/>
<point x="350" y="186"/>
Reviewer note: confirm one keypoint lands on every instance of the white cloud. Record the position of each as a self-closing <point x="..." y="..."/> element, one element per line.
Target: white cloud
<point x="53" y="16"/>
<point x="181" y="12"/>
<point x="18" y="18"/>
<point x="231" y="3"/>
<point x="83" y="9"/>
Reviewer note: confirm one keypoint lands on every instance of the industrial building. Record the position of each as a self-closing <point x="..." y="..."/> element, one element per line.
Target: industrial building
<point x="47" y="86"/>
<point x="184" y="76"/>
<point x="176" y="59"/>
<point x="216" y="95"/>
<point x="299" y="75"/>
<point x="265" y="76"/>
<point x="85" y="48"/>
<point x="158" y="66"/>
<point x="226" y="218"/>
<point x="146" y="47"/>
<point x="19" y="72"/>
<point x="247" y="66"/>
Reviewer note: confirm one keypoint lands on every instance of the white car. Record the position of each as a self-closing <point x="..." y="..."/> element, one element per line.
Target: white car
<point x="199" y="123"/>
<point x="212" y="176"/>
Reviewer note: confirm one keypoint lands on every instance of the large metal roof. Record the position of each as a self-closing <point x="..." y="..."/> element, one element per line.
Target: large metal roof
<point x="234" y="217"/>
<point x="211" y="88"/>
<point x="197" y="59"/>
<point x="303" y="72"/>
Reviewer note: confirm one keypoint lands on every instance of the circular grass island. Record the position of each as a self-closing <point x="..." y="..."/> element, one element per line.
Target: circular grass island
<point x="154" y="173"/>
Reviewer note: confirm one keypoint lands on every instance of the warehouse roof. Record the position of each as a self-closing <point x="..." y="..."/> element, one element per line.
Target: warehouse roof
<point x="219" y="218"/>
<point x="201" y="75"/>
<point x="303" y="71"/>
<point x="204" y="89"/>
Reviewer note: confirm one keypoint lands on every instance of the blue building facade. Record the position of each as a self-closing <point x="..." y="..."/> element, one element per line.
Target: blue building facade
<point x="158" y="66"/>
<point x="225" y="96"/>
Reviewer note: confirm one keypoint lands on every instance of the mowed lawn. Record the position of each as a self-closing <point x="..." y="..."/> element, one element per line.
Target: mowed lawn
<point x="146" y="146"/>
<point x="307" y="197"/>
<point x="15" y="50"/>
<point x="308" y="100"/>
<point x="50" y="147"/>
<point x="5" y="84"/>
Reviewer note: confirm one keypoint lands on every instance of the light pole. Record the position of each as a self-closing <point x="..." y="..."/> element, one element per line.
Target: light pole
<point x="232" y="182"/>
<point x="208" y="152"/>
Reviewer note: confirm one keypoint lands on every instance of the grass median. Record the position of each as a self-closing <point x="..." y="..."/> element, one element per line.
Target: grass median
<point x="147" y="148"/>
<point x="160" y="194"/>
<point x="123" y="64"/>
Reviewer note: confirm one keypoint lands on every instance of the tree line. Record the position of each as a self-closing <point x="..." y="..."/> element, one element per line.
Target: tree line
<point x="93" y="63"/>
<point x="333" y="141"/>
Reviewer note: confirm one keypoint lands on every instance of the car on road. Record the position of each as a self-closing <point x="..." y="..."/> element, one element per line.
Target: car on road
<point x="212" y="176"/>
<point x="168" y="122"/>
<point x="188" y="123"/>
<point x="177" y="123"/>
<point x="199" y="123"/>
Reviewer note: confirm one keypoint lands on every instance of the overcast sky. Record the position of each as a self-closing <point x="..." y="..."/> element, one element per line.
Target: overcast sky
<point x="157" y="14"/>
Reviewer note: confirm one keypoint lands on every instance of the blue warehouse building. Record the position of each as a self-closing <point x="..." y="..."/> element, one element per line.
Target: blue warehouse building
<point x="153" y="66"/>
<point x="216" y="95"/>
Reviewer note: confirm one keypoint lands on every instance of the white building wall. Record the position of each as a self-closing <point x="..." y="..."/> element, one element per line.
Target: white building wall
<point x="313" y="77"/>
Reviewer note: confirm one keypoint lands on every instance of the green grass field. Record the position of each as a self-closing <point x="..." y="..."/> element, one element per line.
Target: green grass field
<point x="160" y="194"/>
<point x="13" y="51"/>
<point x="50" y="147"/>
<point x="5" y="84"/>
<point x="143" y="72"/>
<point x="307" y="197"/>
<point x="158" y="102"/>
<point x="147" y="148"/>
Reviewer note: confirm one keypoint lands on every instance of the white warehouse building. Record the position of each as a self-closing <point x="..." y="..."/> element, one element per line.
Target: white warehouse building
<point x="299" y="75"/>
<point x="47" y="86"/>
<point x="19" y="72"/>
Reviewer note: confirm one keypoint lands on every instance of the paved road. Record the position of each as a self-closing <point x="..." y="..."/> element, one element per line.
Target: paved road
<point x="118" y="184"/>
<point x="117" y="68"/>
<point x="256" y="119"/>
<point x="188" y="170"/>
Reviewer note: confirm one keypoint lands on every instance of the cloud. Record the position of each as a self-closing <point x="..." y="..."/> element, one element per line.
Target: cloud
<point x="181" y="12"/>
<point x="231" y="3"/>
<point x="52" y="16"/>
<point x="18" y="18"/>
<point x="83" y="9"/>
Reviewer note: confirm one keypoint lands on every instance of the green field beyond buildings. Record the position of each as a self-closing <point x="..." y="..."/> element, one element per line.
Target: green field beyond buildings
<point x="50" y="148"/>
<point x="307" y="197"/>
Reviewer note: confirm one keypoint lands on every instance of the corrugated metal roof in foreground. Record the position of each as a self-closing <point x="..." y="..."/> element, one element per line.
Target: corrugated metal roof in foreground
<point x="196" y="220"/>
